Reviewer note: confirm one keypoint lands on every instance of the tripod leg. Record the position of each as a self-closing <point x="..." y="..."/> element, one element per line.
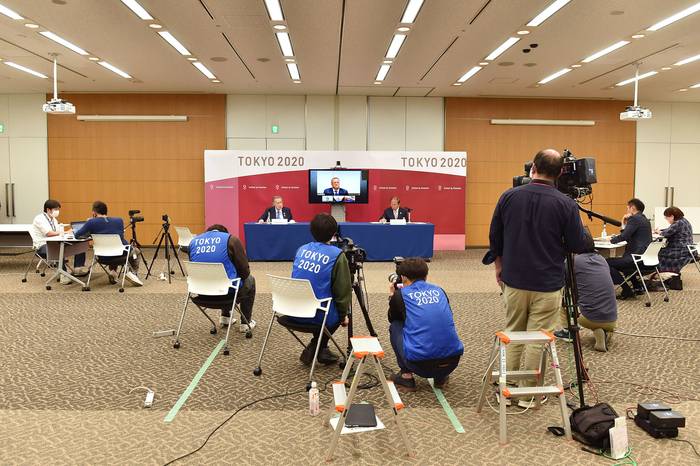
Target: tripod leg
<point x="365" y="312"/>
<point x="155" y="256"/>
<point x="175" y="254"/>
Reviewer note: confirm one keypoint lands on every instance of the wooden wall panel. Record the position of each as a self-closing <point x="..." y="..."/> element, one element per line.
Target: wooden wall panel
<point x="156" y="167"/>
<point x="497" y="153"/>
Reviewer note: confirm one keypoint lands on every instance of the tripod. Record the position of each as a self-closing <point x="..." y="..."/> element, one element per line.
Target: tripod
<point x="169" y="245"/>
<point x="571" y="306"/>
<point x="135" y="242"/>
<point x="358" y="286"/>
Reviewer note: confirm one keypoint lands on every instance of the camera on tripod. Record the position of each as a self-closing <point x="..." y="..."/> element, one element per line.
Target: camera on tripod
<point x="356" y="256"/>
<point x="577" y="176"/>
<point x="133" y="218"/>
<point x="395" y="278"/>
<point x="166" y="219"/>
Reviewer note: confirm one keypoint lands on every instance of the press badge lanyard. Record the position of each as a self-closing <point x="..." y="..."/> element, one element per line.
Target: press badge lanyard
<point x="53" y="226"/>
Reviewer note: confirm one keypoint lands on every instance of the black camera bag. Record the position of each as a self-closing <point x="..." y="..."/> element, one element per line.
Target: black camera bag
<point x="590" y="424"/>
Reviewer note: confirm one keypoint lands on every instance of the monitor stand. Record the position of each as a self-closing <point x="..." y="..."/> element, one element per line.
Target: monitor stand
<point x="338" y="212"/>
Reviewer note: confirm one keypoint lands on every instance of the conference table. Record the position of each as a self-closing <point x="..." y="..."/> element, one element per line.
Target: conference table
<point x="382" y="242"/>
<point x="15" y="236"/>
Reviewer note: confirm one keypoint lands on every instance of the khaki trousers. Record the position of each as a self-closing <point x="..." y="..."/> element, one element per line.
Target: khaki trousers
<point x="529" y="311"/>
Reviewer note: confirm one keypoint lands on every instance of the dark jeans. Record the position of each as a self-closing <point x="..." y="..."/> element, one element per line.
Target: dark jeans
<point x="620" y="267"/>
<point x="246" y="298"/>
<point x="78" y="259"/>
<point x="324" y="337"/>
<point x="437" y="369"/>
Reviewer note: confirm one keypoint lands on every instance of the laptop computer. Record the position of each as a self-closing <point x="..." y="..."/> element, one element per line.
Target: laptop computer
<point x="361" y="415"/>
<point x="76" y="226"/>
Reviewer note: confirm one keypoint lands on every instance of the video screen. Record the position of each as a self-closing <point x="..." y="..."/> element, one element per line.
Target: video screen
<point x="338" y="186"/>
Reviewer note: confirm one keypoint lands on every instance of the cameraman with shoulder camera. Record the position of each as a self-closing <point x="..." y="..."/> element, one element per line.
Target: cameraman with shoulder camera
<point x="422" y="329"/>
<point x="326" y="267"/>
<point x="532" y="229"/>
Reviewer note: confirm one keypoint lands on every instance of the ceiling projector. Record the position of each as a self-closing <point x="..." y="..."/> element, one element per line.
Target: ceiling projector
<point x="58" y="106"/>
<point x="635" y="112"/>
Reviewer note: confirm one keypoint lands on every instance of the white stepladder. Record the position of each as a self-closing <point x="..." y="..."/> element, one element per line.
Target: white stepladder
<point x="363" y="349"/>
<point x="499" y="371"/>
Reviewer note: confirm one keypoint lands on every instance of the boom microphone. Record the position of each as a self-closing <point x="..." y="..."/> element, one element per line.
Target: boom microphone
<point x="605" y="219"/>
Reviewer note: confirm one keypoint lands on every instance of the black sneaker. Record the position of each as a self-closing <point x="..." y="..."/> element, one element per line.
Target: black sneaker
<point x="404" y="385"/>
<point x="440" y="383"/>
<point x="563" y="335"/>
<point x="326" y="356"/>
<point x="625" y="295"/>
<point x="307" y="356"/>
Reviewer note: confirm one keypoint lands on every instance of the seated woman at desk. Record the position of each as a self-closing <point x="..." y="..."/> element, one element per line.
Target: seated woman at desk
<point x="675" y="255"/>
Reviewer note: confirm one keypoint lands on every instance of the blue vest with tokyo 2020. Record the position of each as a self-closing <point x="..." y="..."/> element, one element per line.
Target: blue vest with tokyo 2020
<point x="315" y="262"/>
<point x="429" y="330"/>
<point x="212" y="246"/>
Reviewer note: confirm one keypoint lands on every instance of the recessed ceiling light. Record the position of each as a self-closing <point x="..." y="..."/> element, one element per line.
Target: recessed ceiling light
<point x="274" y="9"/>
<point x="637" y="36"/>
<point x="469" y="74"/>
<point x="665" y="68"/>
<point x="687" y="60"/>
<point x="9" y="13"/>
<point x="403" y="29"/>
<point x="576" y="66"/>
<point x="456" y="84"/>
<point x="31" y="26"/>
<point x="94" y="59"/>
<point x="641" y="76"/>
<point x="547" y="12"/>
<point x="155" y="26"/>
<point x="215" y="81"/>
<point x="285" y="44"/>
<point x="606" y="51"/>
<point x="140" y="11"/>
<point x="192" y="58"/>
<point x="524" y="32"/>
<point x="289" y="60"/>
<point x="388" y="62"/>
<point x="296" y="81"/>
<point x="280" y="27"/>
<point x="114" y="69"/>
<point x="673" y="18"/>
<point x="377" y="82"/>
<point x="293" y="71"/>
<point x="554" y="76"/>
<point x="411" y="11"/>
<point x="26" y="70"/>
<point x="63" y="42"/>
<point x="395" y="45"/>
<point x="483" y="63"/>
<point x="383" y="71"/>
<point x="502" y="48"/>
<point x="204" y="70"/>
<point x="170" y="39"/>
<point x="682" y="90"/>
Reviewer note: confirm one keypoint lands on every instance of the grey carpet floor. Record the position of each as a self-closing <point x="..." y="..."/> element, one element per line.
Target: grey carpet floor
<point x="68" y="360"/>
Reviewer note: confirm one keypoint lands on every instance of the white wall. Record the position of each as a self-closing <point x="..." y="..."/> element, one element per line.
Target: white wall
<point x="334" y="123"/>
<point x="23" y="155"/>
<point x="668" y="155"/>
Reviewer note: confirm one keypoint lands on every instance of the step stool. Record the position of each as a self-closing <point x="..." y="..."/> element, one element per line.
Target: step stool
<point x="364" y="349"/>
<point x="501" y="342"/>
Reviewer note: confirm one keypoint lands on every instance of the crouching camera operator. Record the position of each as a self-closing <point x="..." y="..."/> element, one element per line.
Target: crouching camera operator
<point x="422" y="329"/>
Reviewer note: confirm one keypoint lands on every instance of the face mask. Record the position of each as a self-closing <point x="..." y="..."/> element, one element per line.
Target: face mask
<point x="54" y="213"/>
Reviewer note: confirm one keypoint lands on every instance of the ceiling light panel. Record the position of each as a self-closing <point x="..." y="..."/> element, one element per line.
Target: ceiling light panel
<point x="140" y="11"/>
<point x="114" y="69"/>
<point x="383" y="71"/>
<point x="695" y="86"/>
<point x="170" y="39"/>
<point x="25" y="69"/>
<point x="9" y="13"/>
<point x="502" y="48"/>
<point x="293" y="71"/>
<point x="638" y="78"/>
<point x="469" y="74"/>
<point x="673" y="18"/>
<point x="554" y="76"/>
<point x="63" y="42"/>
<point x="687" y="60"/>
<point x="547" y="12"/>
<point x="204" y="70"/>
<point x="274" y="10"/>
<point x="411" y="11"/>
<point x="606" y="51"/>
<point x="285" y="44"/>
<point x="395" y="45"/>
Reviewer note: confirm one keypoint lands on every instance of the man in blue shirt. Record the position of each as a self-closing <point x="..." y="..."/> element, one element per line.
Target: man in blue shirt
<point x="101" y="224"/>
<point x="326" y="267"/>
<point x="422" y="329"/>
<point x="218" y="246"/>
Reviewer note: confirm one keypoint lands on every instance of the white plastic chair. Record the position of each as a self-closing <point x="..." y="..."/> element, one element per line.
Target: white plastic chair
<point x="41" y="265"/>
<point x="207" y="279"/>
<point x="109" y="250"/>
<point x="649" y="261"/>
<point x="184" y="237"/>
<point x="693" y="251"/>
<point x="294" y="297"/>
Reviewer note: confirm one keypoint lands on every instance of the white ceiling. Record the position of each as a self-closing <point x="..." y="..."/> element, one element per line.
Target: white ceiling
<point x="441" y="46"/>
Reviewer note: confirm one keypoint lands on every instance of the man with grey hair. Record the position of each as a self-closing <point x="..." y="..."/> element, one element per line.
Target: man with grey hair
<point x="277" y="211"/>
<point x="335" y="189"/>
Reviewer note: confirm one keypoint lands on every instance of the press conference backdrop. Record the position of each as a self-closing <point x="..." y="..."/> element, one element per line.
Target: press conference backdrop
<point x="239" y="186"/>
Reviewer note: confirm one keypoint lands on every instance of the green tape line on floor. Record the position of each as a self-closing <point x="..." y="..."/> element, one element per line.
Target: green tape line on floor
<point x="190" y="388"/>
<point x="448" y="409"/>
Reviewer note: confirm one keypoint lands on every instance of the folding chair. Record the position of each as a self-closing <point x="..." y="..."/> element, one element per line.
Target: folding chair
<point x="693" y="250"/>
<point x="207" y="287"/>
<point x="649" y="264"/>
<point x="184" y="237"/>
<point x="109" y="250"/>
<point x="41" y="266"/>
<point x="294" y="297"/>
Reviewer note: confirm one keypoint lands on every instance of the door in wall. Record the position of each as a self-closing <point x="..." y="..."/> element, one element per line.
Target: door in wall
<point x="23" y="169"/>
<point x="5" y="183"/>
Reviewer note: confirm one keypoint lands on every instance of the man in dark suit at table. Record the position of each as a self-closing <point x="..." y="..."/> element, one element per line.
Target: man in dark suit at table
<point x="335" y="189"/>
<point x="394" y="212"/>
<point x="278" y="210"/>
